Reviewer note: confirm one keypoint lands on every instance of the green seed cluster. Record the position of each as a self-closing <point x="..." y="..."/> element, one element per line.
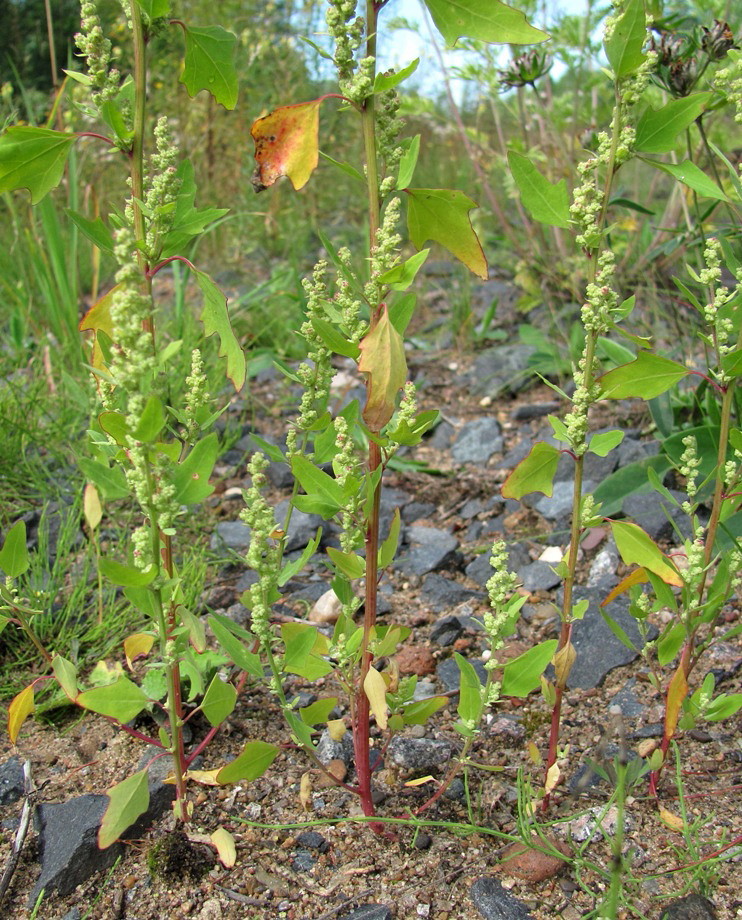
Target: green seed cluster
<point x="96" y="48"/>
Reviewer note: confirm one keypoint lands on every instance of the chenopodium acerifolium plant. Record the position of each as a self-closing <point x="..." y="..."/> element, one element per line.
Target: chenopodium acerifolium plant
<point x="144" y="446"/>
<point x="698" y="592"/>
<point x="361" y="316"/>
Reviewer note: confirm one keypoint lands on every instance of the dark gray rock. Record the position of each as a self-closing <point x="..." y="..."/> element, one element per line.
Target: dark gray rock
<point x="500" y="369"/>
<point x="655" y="514"/>
<point x="431" y="548"/>
<point x="627" y="701"/>
<point x="480" y="570"/>
<point x="232" y="535"/>
<point x="442" y="436"/>
<point x="442" y="593"/>
<point x="691" y="907"/>
<point x="421" y="754"/>
<point x="303" y="860"/>
<point x="449" y="675"/>
<point x="313" y="840"/>
<point x="302" y="527"/>
<point x="11" y="781"/>
<point x="456" y="790"/>
<point x="72" y="914"/>
<point x="477" y="441"/>
<point x="538" y="576"/>
<point x="446" y="631"/>
<point x="496" y="903"/>
<point x="631" y="450"/>
<point x="369" y="912"/>
<point x="471" y="508"/>
<point x="535" y="410"/>
<point x="598" y="650"/>
<point x="278" y="473"/>
<point x="558" y="505"/>
<point x="415" y="511"/>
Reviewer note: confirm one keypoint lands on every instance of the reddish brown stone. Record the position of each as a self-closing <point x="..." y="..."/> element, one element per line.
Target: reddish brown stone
<point x="415" y="659"/>
<point x="532" y="865"/>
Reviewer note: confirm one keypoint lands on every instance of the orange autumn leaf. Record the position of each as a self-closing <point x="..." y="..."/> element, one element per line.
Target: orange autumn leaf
<point x="676" y="693"/>
<point x="383" y="359"/>
<point x="287" y="144"/>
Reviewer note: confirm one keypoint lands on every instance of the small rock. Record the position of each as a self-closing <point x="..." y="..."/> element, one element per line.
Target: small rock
<point x="588" y="826"/>
<point x="369" y="912"/>
<point x="303" y="861"/>
<point x="692" y="907"/>
<point x="11" y="781"/>
<point x="538" y="576"/>
<point x="531" y="864"/>
<point x="422" y="841"/>
<point x="313" y="840"/>
<point x="443" y="593"/>
<point x="477" y="441"/>
<point x="446" y="631"/>
<point x="627" y="701"/>
<point x="495" y="903"/>
<point x="210" y="910"/>
<point x="431" y="548"/>
<point x="506" y="726"/>
<point x="233" y="535"/>
<point x="441" y="437"/>
<point x="480" y="570"/>
<point x="419" y="754"/>
<point x="415" y="511"/>
<point x="327" y="608"/>
<point x="415" y="659"/>
<point x="302" y="527"/>
<point x="328" y="750"/>
<point x="603" y="567"/>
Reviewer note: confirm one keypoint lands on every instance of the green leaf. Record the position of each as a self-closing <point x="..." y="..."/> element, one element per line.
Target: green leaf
<point x="128" y="576"/>
<point x="637" y="548"/>
<point x="110" y="482"/>
<point x="401" y="276"/>
<point x="628" y="480"/>
<point x="300" y="656"/>
<point x="34" y="159"/>
<point x="486" y="20"/>
<point x="215" y="318"/>
<point x="219" y="701"/>
<point x="318" y="712"/>
<point x="443" y="215"/>
<point x="14" y="558"/>
<point x="411" y="433"/>
<point x="242" y="658"/>
<point x="292" y="568"/>
<point x="383" y="360"/>
<point x="384" y="81"/>
<point x="254" y="760"/>
<point x="350" y="564"/>
<point x="326" y="492"/>
<point x="723" y="707"/>
<point x="95" y="230"/>
<point x="618" y="631"/>
<point x="155" y="8"/>
<point x="731" y="363"/>
<point x="188" y="220"/>
<point x="522" y="675"/>
<point x="644" y="378"/>
<point x="602" y="444"/>
<point x="471" y="703"/>
<point x="114" y="423"/>
<point x="408" y="162"/>
<point x="689" y="174"/>
<point x="334" y="339"/>
<point x="191" y="477"/>
<point x="122" y="700"/>
<point x="209" y="63"/>
<point x="66" y="674"/>
<point x="401" y="310"/>
<point x="388" y="548"/>
<point x="657" y="129"/>
<point x="535" y="473"/>
<point x="151" y="422"/>
<point x="670" y="643"/>
<point x="545" y="201"/>
<point x="344" y="167"/>
<point x="127" y="801"/>
<point x="623" y="47"/>
<point x="301" y="733"/>
<point x="419" y="713"/>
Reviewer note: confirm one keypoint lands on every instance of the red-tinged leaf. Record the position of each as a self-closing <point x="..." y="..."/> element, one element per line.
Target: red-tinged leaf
<point x="126" y="802"/>
<point x="637" y="548"/>
<point x="383" y="359"/>
<point x="676" y="693"/>
<point x="287" y="144"/>
<point x="637" y="577"/>
<point x="443" y="215"/>
<point x="98" y="319"/>
<point x="21" y="706"/>
<point x="534" y="473"/>
<point x="646" y="377"/>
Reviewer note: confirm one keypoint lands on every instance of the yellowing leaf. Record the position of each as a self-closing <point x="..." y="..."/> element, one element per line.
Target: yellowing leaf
<point x="383" y="359"/>
<point x="552" y="778"/>
<point x="91" y="506"/>
<point x="137" y="645"/>
<point x="225" y="847"/>
<point x="336" y="729"/>
<point x="637" y="577"/>
<point x="563" y="661"/>
<point x="420" y="781"/>
<point x="374" y="687"/>
<point x="305" y="791"/>
<point x="98" y="319"/>
<point x="442" y="215"/>
<point x="534" y="754"/>
<point x="287" y="144"/>
<point x="204" y="777"/>
<point x="671" y="820"/>
<point x="637" y="547"/>
<point x="676" y="693"/>
<point x="21" y="706"/>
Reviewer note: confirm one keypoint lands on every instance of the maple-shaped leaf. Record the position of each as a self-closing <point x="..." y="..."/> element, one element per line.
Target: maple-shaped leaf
<point x="383" y="359"/>
<point x="442" y="215"/>
<point x="215" y="318"/>
<point x="287" y="144"/>
<point x="209" y="63"/>
<point x="98" y="319"/>
<point x="33" y="158"/>
<point x="486" y="20"/>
